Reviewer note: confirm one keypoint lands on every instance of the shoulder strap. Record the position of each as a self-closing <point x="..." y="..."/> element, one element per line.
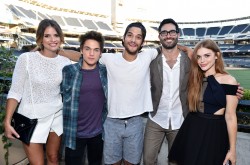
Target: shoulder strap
<point x="31" y="93"/>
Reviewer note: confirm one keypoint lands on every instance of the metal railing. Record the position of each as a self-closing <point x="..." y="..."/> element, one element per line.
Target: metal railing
<point x="243" y="116"/>
<point x="243" y="109"/>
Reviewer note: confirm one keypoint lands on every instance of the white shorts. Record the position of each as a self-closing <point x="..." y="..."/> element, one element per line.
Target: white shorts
<point x="52" y="123"/>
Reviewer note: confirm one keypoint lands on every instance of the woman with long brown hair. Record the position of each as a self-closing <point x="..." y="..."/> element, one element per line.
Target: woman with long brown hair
<point x="208" y="134"/>
<point x="36" y="85"/>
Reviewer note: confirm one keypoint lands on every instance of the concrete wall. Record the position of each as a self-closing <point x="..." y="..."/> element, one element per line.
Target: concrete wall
<point x="243" y="149"/>
<point x="16" y="153"/>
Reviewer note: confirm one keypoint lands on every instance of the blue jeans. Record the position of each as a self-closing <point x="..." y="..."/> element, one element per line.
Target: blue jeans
<point x="94" y="151"/>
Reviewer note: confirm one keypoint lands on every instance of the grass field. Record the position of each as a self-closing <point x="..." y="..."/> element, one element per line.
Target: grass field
<point x="242" y="76"/>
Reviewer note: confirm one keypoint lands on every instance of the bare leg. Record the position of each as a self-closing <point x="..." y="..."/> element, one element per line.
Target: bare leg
<point x="126" y="162"/>
<point x="35" y="154"/>
<point x="52" y="148"/>
<point x="118" y="163"/>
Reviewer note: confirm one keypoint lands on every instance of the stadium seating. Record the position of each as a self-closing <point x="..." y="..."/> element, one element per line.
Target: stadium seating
<point x="233" y="37"/>
<point x="200" y="32"/>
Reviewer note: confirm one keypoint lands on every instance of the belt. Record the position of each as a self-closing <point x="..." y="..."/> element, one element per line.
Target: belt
<point x="127" y="118"/>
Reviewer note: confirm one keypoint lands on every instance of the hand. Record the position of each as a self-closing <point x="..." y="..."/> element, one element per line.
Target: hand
<point x="230" y="157"/>
<point x="240" y="92"/>
<point x="10" y="132"/>
<point x="187" y="50"/>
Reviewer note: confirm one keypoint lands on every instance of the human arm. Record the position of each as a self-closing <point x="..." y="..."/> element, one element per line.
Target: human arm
<point x="231" y="121"/>
<point x="15" y="94"/>
<point x="19" y="78"/>
<point x="104" y="58"/>
<point x="9" y="131"/>
<point x="187" y="50"/>
<point x="71" y="54"/>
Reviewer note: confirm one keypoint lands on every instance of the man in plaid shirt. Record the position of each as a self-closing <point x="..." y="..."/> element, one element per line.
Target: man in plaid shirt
<point x="84" y="89"/>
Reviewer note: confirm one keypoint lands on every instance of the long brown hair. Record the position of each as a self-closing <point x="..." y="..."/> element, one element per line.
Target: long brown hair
<point x="196" y="74"/>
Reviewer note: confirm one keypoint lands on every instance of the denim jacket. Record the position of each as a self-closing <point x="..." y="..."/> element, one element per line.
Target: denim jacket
<point x="70" y="89"/>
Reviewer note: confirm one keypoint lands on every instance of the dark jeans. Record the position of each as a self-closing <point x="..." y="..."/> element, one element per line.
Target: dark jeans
<point x="94" y="151"/>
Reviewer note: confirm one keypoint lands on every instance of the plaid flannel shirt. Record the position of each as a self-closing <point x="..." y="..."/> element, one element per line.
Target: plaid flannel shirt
<point x="70" y="89"/>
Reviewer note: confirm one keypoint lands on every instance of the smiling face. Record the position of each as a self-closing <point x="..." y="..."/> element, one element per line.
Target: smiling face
<point x="206" y="59"/>
<point x="91" y="51"/>
<point x="133" y="40"/>
<point x="51" y="40"/>
<point x="168" y="36"/>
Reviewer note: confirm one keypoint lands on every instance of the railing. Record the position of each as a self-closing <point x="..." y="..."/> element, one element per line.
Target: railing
<point x="6" y="81"/>
<point x="4" y="84"/>
<point x="243" y="116"/>
<point x="243" y="109"/>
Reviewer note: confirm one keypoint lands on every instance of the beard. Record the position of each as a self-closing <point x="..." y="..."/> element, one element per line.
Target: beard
<point x="132" y="52"/>
<point x="169" y="46"/>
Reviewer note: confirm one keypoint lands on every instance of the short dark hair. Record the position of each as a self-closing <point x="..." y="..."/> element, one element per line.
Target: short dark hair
<point x="42" y="27"/>
<point x="138" y="25"/>
<point x="168" y="21"/>
<point x="92" y="35"/>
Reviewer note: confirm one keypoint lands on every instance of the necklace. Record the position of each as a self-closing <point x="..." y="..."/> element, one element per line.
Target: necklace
<point x="171" y="58"/>
<point x="214" y="74"/>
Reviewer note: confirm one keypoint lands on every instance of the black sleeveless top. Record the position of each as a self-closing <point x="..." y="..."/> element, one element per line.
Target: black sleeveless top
<point x="214" y="95"/>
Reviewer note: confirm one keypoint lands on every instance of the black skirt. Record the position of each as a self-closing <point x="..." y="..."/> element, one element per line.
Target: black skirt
<point x="201" y="140"/>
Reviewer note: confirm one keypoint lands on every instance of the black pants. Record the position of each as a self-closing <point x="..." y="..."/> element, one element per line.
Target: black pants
<point x="94" y="151"/>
